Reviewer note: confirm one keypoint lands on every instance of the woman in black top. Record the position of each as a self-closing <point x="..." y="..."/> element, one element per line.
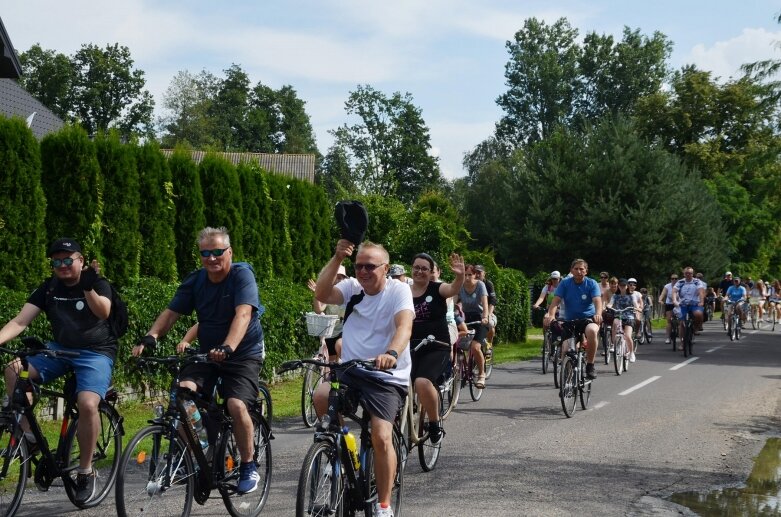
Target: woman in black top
<point x="429" y="362"/>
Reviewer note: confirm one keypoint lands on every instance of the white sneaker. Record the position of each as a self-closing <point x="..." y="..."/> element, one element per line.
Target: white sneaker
<point x="667" y="341"/>
<point x="631" y="357"/>
<point x="382" y="512"/>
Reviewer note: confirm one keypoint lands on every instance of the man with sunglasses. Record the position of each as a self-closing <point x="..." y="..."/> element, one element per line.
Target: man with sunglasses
<point x="666" y="297"/>
<point x="377" y="325"/>
<point x="689" y="296"/>
<point x="77" y="303"/>
<point x="225" y="299"/>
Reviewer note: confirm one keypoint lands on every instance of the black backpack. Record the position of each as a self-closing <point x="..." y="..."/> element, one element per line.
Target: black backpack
<point x="118" y="317"/>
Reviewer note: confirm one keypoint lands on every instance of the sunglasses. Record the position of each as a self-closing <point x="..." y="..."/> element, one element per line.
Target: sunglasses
<point x="602" y="276"/>
<point x="59" y="262"/>
<point x="673" y="278"/>
<point x="216" y="252"/>
<point x="421" y="269"/>
<point x="368" y="267"/>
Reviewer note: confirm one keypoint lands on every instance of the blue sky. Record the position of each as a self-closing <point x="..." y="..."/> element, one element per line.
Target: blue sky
<point x="450" y="55"/>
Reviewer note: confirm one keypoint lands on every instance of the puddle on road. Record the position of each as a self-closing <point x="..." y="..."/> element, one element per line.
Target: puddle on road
<point x="760" y="497"/>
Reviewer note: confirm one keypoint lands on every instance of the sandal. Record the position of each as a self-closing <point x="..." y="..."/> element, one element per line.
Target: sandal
<point x="480" y="382"/>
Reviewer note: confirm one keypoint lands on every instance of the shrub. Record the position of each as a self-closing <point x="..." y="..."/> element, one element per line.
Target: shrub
<point x="188" y="200"/>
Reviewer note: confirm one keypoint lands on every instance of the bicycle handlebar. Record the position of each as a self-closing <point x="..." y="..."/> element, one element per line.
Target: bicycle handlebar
<point x="34" y="346"/>
<point x="299" y="363"/>
<point x="191" y="356"/>
<point x="430" y="339"/>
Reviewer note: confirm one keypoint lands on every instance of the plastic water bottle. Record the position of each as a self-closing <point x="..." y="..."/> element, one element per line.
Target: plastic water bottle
<point x="197" y="422"/>
<point x="352" y="446"/>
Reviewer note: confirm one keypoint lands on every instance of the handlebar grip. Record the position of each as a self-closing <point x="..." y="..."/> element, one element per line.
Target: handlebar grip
<point x="63" y="353"/>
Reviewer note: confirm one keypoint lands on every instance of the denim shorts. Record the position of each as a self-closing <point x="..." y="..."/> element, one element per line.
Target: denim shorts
<point x="690" y="308"/>
<point x="93" y="370"/>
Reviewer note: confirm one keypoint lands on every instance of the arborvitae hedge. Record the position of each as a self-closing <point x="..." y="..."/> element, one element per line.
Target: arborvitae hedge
<point x="121" y="254"/>
<point x="266" y="256"/>
<point x="73" y="185"/>
<point x="222" y="199"/>
<point x="188" y="200"/>
<point x="23" y="207"/>
<point x="250" y="214"/>
<point x="158" y="255"/>
<point x="280" y="230"/>
<point x="300" y="218"/>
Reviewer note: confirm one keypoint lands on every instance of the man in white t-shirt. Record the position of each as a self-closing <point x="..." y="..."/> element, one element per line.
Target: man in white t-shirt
<point x="377" y="325"/>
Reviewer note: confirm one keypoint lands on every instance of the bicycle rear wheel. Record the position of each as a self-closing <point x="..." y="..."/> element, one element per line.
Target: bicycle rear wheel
<point x="145" y="483"/>
<point x="545" y="352"/>
<point x="452" y="392"/>
<point x="754" y="316"/>
<point x="247" y="504"/>
<point x="569" y="387"/>
<point x="105" y="458"/>
<point x="370" y="483"/>
<point x="488" y="356"/>
<point x="584" y="387"/>
<point x="264" y="401"/>
<point x="15" y="461"/>
<point x="474" y="391"/>
<point x="556" y="360"/>
<point x="688" y="334"/>
<point x="428" y="453"/>
<point x="321" y="489"/>
<point x="312" y="380"/>
<point x="604" y="340"/>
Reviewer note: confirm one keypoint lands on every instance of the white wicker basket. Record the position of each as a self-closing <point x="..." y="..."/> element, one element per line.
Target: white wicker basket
<point x="321" y="325"/>
<point x="465" y="341"/>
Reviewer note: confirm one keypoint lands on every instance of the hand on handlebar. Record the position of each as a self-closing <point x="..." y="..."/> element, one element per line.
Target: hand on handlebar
<point x="384" y="362"/>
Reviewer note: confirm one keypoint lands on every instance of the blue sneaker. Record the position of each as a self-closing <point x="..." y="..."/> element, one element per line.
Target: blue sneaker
<point x="248" y="478"/>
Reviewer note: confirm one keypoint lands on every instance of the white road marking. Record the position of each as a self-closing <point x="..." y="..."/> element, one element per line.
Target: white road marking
<point x="638" y="386"/>
<point x="681" y="365"/>
<point x="600" y="405"/>
<point x="714" y="349"/>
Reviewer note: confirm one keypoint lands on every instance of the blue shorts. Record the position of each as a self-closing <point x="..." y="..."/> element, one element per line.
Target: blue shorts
<point x="690" y="308"/>
<point x="93" y="370"/>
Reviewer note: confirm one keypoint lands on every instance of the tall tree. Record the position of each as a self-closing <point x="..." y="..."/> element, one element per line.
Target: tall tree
<point x="335" y="174"/>
<point x="766" y="71"/>
<point x="48" y="76"/>
<point x="23" y="209"/>
<point x="188" y="200"/>
<point x="187" y="103"/>
<point x="295" y="125"/>
<point x="229" y="108"/>
<point x="222" y="198"/>
<point x="121" y="252"/>
<point x="107" y="91"/>
<point x="389" y="144"/>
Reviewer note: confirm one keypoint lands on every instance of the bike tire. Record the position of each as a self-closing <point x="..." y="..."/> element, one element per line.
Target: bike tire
<point x="569" y="387"/>
<point x="264" y="400"/>
<point x="105" y="459"/>
<point x="321" y="489"/>
<point x="584" y="387"/>
<point x="731" y="329"/>
<point x="618" y="354"/>
<point x="488" y="357"/>
<point x="428" y="453"/>
<point x="15" y="461"/>
<point x="556" y="364"/>
<point x="475" y="392"/>
<point x="605" y="343"/>
<point x="312" y="380"/>
<point x="647" y="328"/>
<point x="227" y="469"/>
<point x="143" y="468"/>
<point x="370" y="485"/>
<point x="546" y="345"/>
<point x="450" y="397"/>
<point x="687" y="339"/>
<point x="674" y="335"/>
<point x="754" y="312"/>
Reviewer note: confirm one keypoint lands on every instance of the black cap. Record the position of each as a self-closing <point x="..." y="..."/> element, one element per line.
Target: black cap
<point x="64" y="244"/>
<point x="480" y="268"/>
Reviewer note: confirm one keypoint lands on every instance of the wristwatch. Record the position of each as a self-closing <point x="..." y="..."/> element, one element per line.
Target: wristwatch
<point x="392" y="353"/>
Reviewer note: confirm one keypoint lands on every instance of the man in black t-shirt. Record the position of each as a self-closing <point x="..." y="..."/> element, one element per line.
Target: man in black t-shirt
<point x="725" y="284"/>
<point x="77" y="303"/>
<point x="489" y="286"/>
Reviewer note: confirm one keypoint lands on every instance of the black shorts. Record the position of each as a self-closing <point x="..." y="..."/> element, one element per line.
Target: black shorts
<point x="330" y="342"/>
<point x="430" y="363"/>
<point x="381" y="399"/>
<point x="568" y="329"/>
<point x="668" y="307"/>
<point x="239" y="378"/>
<point x="480" y="330"/>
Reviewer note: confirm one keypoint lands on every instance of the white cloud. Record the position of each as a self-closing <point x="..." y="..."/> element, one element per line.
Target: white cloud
<point x="452" y="139"/>
<point x="724" y="58"/>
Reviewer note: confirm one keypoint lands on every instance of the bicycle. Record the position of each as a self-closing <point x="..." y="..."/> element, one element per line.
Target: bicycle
<point x="757" y="321"/>
<point x="674" y="322"/>
<point x="687" y="342"/>
<point x="734" y="324"/>
<point x="18" y="455"/>
<point x="619" y="350"/>
<point x="450" y="388"/>
<point x="335" y="478"/>
<point x="167" y="459"/>
<point x="322" y="327"/>
<point x="605" y="333"/>
<point x="573" y="372"/>
<point x="645" y="334"/>
<point x="469" y="369"/>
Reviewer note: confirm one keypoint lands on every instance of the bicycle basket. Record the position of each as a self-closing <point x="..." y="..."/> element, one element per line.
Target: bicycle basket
<point x="465" y="341"/>
<point x="320" y="325"/>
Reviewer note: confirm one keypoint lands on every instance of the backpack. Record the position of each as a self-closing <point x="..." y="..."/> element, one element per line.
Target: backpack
<point x="118" y="320"/>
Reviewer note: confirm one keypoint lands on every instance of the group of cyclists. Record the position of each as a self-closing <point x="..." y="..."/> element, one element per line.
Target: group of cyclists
<point x="384" y="316"/>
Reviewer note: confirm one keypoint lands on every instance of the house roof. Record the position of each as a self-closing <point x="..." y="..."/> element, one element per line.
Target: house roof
<point x="9" y="62"/>
<point x="300" y="166"/>
<point x="16" y="102"/>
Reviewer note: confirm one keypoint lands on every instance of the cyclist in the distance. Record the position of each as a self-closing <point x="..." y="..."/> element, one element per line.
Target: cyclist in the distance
<point x="689" y="296"/>
<point x="737" y="296"/>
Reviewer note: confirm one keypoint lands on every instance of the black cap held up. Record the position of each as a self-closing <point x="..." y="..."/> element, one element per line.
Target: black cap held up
<point x="353" y="220"/>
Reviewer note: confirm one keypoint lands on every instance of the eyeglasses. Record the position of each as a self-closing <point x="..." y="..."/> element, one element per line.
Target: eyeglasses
<point x="368" y="267"/>
<point x="216" y="252"/>
<point x="420" y="269"/>
<point x="602" y="276"/>
<point x="673" y="278"/>
<point x="59" y="262"/>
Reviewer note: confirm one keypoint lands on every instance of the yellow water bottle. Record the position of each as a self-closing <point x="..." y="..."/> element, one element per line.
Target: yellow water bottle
<point x="352" y="446"/>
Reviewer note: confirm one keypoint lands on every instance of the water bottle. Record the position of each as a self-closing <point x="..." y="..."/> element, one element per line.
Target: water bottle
<point x="352" y="446"/>
<point x="197" y="422"/>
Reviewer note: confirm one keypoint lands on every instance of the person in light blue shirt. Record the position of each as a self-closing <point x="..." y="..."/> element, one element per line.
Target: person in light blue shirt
<point x="583" y="299"/>
<point x="736" y="296"/>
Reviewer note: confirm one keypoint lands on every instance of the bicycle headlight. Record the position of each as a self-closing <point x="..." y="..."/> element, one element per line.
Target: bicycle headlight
<point x="158" y="410"/>
<point x="325" y="421"/>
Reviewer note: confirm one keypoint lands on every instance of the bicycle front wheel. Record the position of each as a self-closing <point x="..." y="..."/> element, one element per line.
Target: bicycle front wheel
<point x="321" y="489"/>
<point x="687" y="339"/>
<point x="312" y="379"/>
<point x="604" y="340"/>
<point x="474" y="391"/>
<point x="488" y="355"/>
<point x="16" y="463"/>
<point x="156" y="475"/>
<point x="247" y="504"/>
<point x="618" y="354"/>
<point x="556" y="365"/>
<point x="569" y="387"/>
<point x="545" y="352"/>
<point x="370" y="483"/>
<point x="105" y="457"/>
<point x="428" y="453"/>
<point x="584" y="388"/>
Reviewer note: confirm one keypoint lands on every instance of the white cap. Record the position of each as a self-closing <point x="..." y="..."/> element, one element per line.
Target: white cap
<point x="728" y="273"/>
<point x="555" y="274"/>
<point x="342" y="271"/>
<point x="632" y="281"/>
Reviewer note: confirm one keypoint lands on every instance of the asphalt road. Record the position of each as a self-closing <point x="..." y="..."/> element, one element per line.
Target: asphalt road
<point x="667" y="425"/>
